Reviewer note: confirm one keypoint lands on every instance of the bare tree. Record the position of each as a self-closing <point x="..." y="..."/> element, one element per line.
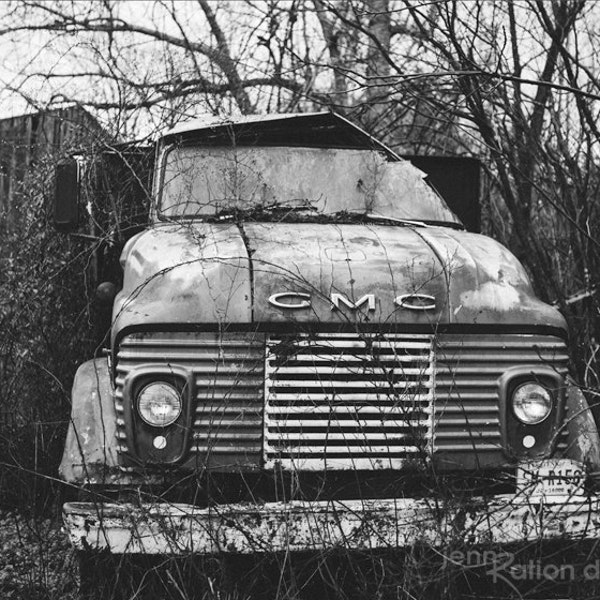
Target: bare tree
<point x="513" y="83"/>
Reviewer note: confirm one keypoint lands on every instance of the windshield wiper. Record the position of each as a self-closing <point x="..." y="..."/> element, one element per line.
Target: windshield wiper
<point x="294" y="204"/>
<point x="261" y="209"/>
<point x="373" y="217"/>
<point x="376" y="217"/>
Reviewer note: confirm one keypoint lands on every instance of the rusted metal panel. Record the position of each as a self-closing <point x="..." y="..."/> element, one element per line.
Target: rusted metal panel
<point x="487" y="285"/>
<point x="299" y="526"/>
<point x="185" y="273"/>
<point x="472" y="278"/>
<point x="91" y="449"/>
<point x="355" y="261"/>
<point x="583" y="439"/>
<point x="201" y="273"/>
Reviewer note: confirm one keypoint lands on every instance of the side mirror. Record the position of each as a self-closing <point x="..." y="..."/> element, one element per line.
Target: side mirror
<point x="66" y="195"/>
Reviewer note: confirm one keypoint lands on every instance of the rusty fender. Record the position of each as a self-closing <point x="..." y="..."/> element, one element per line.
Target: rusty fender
<point x="583" y="438"/>
<point x="90" y="454"/>
<point x="90" y="457"/>
<point x="300" y="526"/>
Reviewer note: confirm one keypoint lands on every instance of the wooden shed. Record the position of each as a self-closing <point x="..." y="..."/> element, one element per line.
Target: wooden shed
<point x="27" y="139"/>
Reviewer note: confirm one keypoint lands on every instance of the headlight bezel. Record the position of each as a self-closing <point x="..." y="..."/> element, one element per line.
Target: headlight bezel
<point x="140" y="435"/>
<point x="544" y="433"/>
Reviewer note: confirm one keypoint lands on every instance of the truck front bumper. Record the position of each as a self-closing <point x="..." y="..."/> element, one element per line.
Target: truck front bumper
<point x="304" y="526"/>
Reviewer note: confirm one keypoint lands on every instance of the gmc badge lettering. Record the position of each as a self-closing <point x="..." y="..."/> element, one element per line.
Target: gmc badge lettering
<point x="299" y="300"/>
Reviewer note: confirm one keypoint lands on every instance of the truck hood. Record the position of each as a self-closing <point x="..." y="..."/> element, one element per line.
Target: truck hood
<point x="203" y="273"/>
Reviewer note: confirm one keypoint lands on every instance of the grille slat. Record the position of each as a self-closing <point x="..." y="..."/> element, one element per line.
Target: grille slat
<point x="468" y="369"/>
<point x="504" y="356"/>
<point x="341" y="371"/>
<point x="473" y="446"/>
<point x="360" y="344"/>
<point x="310" y="439"/>
<point x="235" y="401"/>
<point x="321" y="383"/>
<point x="519" y="341"/>
<point x="189" y="353"/>
<point x="229" y="423"/>
<point x="366" y="451"/>
<point x="200" y="340"/>
<point x="367" y="397"/>
<point x="244" y="380"/>
<point x="382" y="359"/>
<point x="351" y="425"/>
<point x="327" y="407"/>
<point x="233" y="437"/>
<point x="236" y="448"/>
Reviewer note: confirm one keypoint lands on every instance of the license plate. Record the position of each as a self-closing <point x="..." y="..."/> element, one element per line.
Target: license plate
<point x="550" y="478"/>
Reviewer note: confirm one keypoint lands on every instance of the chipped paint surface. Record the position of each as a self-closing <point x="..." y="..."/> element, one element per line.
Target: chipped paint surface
<point x="299" y="526"/>
<point x="583" y="441"/>
<point x="501" y="296"/>
<point x="91" y="456"/>
<point x="486" y="283"/>
<point x="199" y="272"/>
<point x="90" y="449"/>
<point x="184" y="273"/>
<point x="354" y="261"/>
<point x="474" y="279"/>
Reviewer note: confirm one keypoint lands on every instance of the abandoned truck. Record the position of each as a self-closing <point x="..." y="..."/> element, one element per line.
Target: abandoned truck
<point x="309" y="350"/>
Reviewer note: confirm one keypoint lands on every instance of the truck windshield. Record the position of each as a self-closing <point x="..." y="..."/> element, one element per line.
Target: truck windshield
<point x="210" y="181"/>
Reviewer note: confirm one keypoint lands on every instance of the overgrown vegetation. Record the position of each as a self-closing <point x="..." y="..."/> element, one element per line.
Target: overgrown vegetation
<point x="45" y="322"/>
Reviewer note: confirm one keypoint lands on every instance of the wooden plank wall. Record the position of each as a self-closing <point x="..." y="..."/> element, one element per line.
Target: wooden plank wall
<point x="27" y="139"/>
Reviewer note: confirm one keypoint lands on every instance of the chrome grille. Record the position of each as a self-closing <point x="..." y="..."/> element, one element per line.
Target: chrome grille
<point x="466" y="414"/>
<point x="355" y="401"/>
<point x="340" y="400"/>
<point x="229" y="374"/>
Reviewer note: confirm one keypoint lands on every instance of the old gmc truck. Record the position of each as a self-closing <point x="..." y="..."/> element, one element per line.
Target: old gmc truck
<point x="309" y="351"/>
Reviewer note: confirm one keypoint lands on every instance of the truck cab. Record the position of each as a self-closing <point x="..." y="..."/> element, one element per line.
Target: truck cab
<point x="310" y="351"/>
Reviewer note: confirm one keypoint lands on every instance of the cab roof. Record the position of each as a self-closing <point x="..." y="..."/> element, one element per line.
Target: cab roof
<point x="318" y="129"/>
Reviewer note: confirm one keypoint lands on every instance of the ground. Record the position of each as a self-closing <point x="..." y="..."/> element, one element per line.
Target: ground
<point x="36" y="562"/>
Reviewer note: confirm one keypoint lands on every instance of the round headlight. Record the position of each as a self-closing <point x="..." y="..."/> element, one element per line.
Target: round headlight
<point x="159" y="404"/>
<point x="532" y="403"/>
